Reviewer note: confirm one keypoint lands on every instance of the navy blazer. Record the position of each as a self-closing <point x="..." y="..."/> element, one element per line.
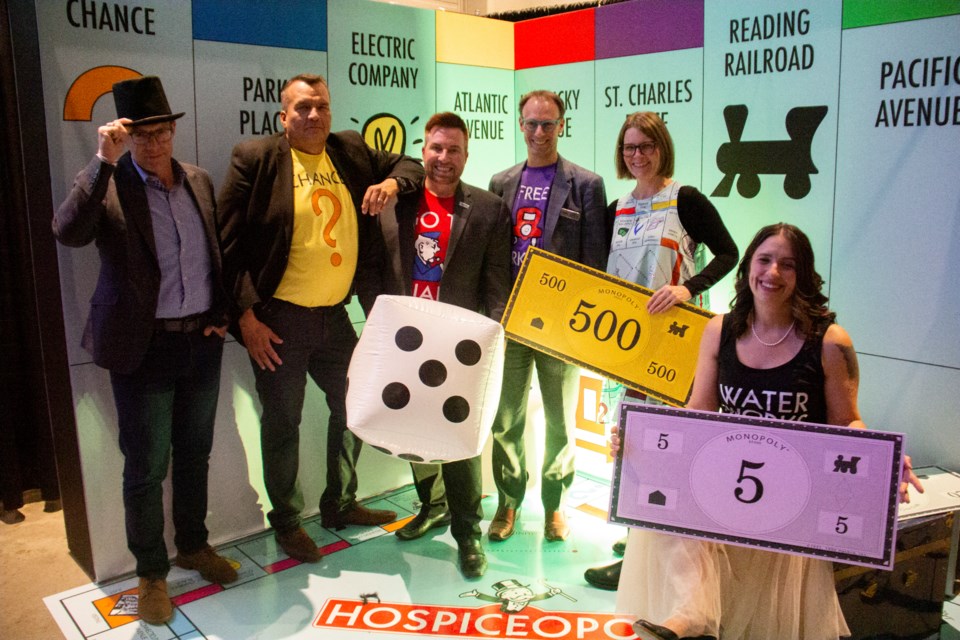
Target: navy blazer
<point x="476" y="266"/>
<point x="575" y="221"/>
<point x="109" y="205"/>
<point x="255" y="210"/>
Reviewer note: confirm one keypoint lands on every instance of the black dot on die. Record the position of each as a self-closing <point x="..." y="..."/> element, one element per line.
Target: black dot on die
<point x="409" y="338"/>
<point x="382" y="450"/>
<point x="410" y="457"/>
<point x="456" y="409"/>
<point x="468" y="352"/>
<point x="433" y="373"/>
<point x="396" y="395"/>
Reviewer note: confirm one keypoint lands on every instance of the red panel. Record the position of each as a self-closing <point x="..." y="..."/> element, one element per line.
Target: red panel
<point x="559" y="39"/>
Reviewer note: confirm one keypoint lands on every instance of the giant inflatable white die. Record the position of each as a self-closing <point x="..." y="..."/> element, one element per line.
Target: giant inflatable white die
<point x="424" y="381"/>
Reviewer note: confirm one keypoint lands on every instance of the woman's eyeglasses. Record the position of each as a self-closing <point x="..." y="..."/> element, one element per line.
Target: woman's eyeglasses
<point x="645" y="148"/>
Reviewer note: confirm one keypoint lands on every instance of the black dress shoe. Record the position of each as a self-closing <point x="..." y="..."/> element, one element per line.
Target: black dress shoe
<point x="607" y="577"/>
<point x="473" y="561"/>
<point x="620" y="547"/>
<point x="419" y="526"/>
<point x="649" y="631"/>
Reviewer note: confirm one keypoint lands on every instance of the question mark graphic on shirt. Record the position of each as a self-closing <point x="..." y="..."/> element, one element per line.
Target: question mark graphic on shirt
<point x="335" y="258"/>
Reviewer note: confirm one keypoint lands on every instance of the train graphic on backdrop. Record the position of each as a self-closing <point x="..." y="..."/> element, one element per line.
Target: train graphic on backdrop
<point x="749" y="159"/>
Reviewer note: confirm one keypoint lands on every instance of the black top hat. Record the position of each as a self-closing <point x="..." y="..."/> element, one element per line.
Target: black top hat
<point x="143" y="101"/>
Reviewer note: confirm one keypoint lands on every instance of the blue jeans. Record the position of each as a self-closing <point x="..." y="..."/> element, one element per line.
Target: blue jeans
<point x="318" y="341"/>
<point x="167" y="407"/>
<point x="559" y="385"/>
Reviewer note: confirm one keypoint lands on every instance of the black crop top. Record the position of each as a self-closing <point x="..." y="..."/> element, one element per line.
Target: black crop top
<point x="791" y="391"/>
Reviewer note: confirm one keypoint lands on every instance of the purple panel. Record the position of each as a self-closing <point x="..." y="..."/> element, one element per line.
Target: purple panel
<point x="648" y="26"/>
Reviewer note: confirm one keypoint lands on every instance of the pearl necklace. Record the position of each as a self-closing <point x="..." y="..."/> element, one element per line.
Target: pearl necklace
<point x="772" y="344"/>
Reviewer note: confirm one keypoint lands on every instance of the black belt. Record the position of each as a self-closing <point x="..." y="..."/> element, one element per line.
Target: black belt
<point x="298" y="307"/>
<point x="189" y="324"/>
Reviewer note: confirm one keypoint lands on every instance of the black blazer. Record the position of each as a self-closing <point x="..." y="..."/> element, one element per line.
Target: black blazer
<point x="255" y="210"/>
<point x="575" y="224"/>
<point x="109" y="206"/>
<point x="476" y="269"/>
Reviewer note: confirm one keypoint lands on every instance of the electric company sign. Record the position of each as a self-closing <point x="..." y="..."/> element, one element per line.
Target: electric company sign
<point x="489" y="621"/>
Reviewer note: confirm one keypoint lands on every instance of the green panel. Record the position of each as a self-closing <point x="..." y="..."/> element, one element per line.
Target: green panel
<point x="866" y="13"/>
<point x="382" y="67"/>
<point x="668" y="83"/>
<point x="574" y="83"/>
<point x="484" y="98"/>
<point x="758" y="168"/>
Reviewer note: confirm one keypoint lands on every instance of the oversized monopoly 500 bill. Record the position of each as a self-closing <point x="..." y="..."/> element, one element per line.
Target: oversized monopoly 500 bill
<point x="600" y="322"/>
<point x="793" y="487"/>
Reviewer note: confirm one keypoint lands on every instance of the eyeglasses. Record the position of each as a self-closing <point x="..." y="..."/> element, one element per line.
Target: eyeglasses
<point x="645" y="148"/>
<point x="530" y="125"/>
<point x="160" y="136"/>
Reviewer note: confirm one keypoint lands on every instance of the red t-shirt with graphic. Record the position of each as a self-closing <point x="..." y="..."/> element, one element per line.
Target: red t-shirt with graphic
<point x="434" y="218"/>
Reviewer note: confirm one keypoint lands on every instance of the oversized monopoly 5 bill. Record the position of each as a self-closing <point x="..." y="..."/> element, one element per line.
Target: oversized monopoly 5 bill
<point x="794" y="487"/>
<point x="600" y="322"/>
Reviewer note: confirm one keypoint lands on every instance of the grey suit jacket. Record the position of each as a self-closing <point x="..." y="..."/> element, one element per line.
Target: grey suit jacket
<point x="575" y="225"/>
<point x="255" y="210"/>
<point x="476" y="269"/>
<point x="109" y="206"/>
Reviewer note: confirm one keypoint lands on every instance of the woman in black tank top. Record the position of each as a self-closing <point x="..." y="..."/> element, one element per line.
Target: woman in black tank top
<point x="777" y="354"/>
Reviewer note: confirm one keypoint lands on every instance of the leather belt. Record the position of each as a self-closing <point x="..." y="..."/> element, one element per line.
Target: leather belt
<point x="189" y="324"/>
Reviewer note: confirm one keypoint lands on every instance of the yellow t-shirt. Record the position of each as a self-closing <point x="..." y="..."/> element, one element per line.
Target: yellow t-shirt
<point x="323" y="250"/>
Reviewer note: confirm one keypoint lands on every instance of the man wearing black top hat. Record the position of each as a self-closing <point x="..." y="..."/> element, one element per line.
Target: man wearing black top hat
<point x="157" y="321"/>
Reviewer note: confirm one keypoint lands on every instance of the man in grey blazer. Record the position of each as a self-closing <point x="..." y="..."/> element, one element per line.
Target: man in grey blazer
<point x="449" y="241"/>
<point x="558" y="207"/>
<point x="157" y="322"/>
<point x="294" y="244"/>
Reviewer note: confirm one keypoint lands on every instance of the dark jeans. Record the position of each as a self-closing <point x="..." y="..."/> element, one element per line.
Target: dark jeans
<point x="463" y="479"/>
<point x="318" y="341"/>
<point x="559" y="385"/>
<point x="165" y="408"/>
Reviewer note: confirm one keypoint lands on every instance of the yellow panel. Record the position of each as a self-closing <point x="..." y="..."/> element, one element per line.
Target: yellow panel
<point x="481" y="42"/>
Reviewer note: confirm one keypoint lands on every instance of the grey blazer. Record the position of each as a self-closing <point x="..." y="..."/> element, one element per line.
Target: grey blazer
<point x="476" y="270"/>
<point x="575" y="226"/>
<point x="109" y="206"/>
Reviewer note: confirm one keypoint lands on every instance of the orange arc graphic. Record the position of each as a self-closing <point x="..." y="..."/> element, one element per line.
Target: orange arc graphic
<point x="89" y="87"/>
<point x="335" y="258"/>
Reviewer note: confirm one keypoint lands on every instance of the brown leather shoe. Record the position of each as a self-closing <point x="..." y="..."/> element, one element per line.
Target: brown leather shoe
<point x="555" y="526"/>
<point x="153" y="603"/>
<point x="503" y="524"/>
<point x="298" y="545"/>
<point x="359" y="515"/>
<point x="212" y="568"/>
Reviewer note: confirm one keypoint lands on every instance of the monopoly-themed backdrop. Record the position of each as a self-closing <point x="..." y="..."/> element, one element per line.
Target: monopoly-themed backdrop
<point x="840" y="117"/>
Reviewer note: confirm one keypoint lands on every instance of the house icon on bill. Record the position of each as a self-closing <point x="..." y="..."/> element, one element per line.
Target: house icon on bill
<point x="657" y="498"/>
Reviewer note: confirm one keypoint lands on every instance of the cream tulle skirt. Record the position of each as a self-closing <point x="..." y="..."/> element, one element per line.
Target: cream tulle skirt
<point x="730" y="592"/>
